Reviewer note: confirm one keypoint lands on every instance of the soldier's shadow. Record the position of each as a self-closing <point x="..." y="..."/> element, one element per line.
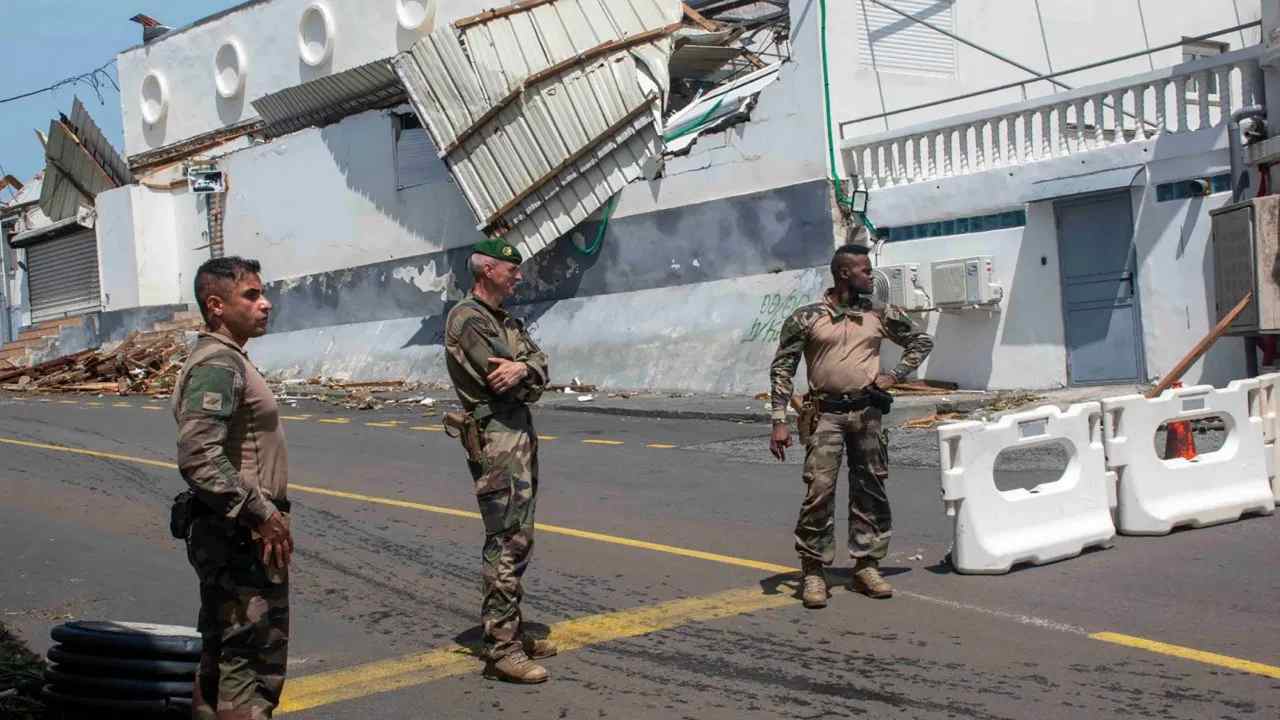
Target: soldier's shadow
<point x="472" y="639"/>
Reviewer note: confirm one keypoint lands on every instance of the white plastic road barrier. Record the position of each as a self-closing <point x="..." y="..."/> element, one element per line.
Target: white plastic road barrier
<point x="1269" y="406"/>
<point x="997" y="529"/>
<point x="1155" y="495"/>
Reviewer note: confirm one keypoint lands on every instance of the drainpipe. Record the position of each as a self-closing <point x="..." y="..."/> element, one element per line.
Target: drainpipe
<point x="1236" y="148"/>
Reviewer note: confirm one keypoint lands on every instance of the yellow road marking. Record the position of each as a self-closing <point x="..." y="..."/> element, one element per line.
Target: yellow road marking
<point x="603" y="442"/>
<point x="68" y="402"/>
<point x="660" y="446"/>
<point x="428" y="428"/>
<point x="152" y="407"/>
<point x="312" y="691"/>
<point x="335" y="421"/>
<point x="388" y="424"/>
<point x="121" y="404"/>
<point x="1153" y="646"/>
<point x="1186" y="653"/>
<point x="294" y="417"/>
<point x="94" y="404"/>
<point x="548" y="437"/>
<point x="45" y="400"/>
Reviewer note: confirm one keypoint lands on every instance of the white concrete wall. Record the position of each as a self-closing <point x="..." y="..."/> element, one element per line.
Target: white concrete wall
<point x="156" y="245"/>
<point x="117" y="256"/>
<point x="325" y="199"/>
<point x="1069" y="33"/>
<point x="267" y="31"/>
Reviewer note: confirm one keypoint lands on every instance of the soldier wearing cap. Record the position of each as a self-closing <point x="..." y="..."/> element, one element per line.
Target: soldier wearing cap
<point x="840" y="339"/>
<point x="497" y="371"/>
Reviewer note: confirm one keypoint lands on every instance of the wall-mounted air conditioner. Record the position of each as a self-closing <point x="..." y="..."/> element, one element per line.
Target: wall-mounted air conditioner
<point x="964" y="283"/>
<point x="905" y="288"/>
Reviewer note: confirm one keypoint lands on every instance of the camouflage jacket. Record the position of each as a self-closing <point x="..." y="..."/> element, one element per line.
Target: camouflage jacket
<point x="841" y="347"/>
<point x="231" y="448"/>
<point x="475" y="332"/>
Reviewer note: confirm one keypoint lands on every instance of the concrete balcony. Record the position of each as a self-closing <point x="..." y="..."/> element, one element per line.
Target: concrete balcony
<point x="1194" y="97"/>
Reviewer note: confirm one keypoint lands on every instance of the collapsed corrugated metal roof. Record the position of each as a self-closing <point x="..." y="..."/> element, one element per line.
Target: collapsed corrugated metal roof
<point x="718" y="109"/>
<point x="79" y="164"/>
<point x="330" y="98"/>
<point x="544" y="110"/>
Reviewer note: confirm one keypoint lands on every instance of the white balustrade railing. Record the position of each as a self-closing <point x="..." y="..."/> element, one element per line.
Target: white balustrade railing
<point x="1191" y="97"/>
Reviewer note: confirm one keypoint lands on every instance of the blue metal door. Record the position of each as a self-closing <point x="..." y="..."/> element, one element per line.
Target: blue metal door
<point x="1095" y="246"/>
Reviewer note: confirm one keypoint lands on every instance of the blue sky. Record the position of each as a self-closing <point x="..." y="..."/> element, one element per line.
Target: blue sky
<point x="44" y="41"/>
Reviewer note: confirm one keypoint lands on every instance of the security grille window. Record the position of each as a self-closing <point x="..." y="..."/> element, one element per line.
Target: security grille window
<point x="414" y="152"/>
<point x="891" y="43"/>
<point x="1198" y="50"/>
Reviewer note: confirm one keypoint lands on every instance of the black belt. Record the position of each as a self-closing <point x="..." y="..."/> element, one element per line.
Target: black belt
<point x="844" y="404"/>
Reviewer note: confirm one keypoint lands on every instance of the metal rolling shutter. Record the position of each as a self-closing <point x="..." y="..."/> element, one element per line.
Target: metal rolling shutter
<point x="62" y="277"/>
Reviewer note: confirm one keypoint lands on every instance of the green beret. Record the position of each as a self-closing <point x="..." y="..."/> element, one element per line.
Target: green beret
<point x="499" y="249"/>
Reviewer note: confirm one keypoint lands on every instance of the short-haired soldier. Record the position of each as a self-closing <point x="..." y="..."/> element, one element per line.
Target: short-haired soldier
<point x="234" y="518"/>
<point x="840" y="338"/>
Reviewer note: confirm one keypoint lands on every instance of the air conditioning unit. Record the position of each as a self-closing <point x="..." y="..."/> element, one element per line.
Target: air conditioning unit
<point x="965" y="282"/>
<point x="1245" y="240"/>
<point x="905" y="289"/>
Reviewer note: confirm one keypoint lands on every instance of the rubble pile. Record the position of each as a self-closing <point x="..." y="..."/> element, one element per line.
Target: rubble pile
<point x="144" y="363"/>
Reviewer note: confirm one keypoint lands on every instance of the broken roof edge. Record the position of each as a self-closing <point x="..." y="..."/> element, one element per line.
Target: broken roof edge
<point x="194" y="24"/>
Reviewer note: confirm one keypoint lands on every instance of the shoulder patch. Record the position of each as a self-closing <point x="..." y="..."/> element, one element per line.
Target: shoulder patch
<point x="210" y="390"/>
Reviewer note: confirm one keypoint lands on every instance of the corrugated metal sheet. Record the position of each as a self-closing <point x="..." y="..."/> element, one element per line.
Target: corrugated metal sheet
<point x="330" y="98"/>
<point x="97" y="145"/>
<point x="79" y="164"/>
<point x="542" y="113"/>
<point x="723" y="106"/>
<point x="62" y="277"/>
<point x="891" y="42"/>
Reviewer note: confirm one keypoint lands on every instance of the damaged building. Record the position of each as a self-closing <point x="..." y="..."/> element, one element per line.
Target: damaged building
<point x="678" y="175"/>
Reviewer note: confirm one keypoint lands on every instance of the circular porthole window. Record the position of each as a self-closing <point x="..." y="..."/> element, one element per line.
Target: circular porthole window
<point x="229" y="69"/>
<point x="315" y="34"/>
<point x="416" y="14"/>
<point x="153" y="100"/>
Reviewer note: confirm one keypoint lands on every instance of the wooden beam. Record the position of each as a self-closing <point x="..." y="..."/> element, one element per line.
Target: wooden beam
<point x="1201" y="347"/>
<point x="488" y="15"/>
<point x="699" y="19"/>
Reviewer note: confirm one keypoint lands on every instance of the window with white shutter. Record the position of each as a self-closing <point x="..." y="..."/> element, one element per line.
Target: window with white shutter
<point x="414" y="152"/>
<point x="889" y="42"/>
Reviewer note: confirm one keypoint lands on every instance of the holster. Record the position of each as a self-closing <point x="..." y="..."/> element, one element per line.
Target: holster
<point x="182" y="514"/>
<point x="466" y="428"/>
<point x="807" y="422"/>
<point x="880" y="399"/>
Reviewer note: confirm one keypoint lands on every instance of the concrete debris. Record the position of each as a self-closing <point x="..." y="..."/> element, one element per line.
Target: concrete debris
<point x="573" y="388"/>
<point x="586" y="398"/>
<point x="144" y="363"/>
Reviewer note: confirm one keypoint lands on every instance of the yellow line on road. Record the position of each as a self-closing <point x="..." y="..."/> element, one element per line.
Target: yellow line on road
<point x="428" y="428"/>
<point x="68" y="402"/>
<point x="388" y="424"/>
<point x="121" y="404"/>
<point x="152" y="407"/>
<point x="548" y="437"/>
<point x="1186" y="653"/>
<point x="363" y="680"/>
<point x="335" y="421"/>
<point x="603" y="442"/>
<point x="94" y="404"/>
<point x="1153" y="646"/>
<point x="660" y="446"/>
<point x="294" y="417"/>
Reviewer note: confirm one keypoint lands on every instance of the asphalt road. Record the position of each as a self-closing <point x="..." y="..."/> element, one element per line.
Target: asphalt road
<point x="663" y="570"/>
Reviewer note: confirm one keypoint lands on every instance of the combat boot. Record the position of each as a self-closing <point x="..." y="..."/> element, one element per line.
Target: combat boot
<point x="813" y="592"/>
<point x="516" y="667"/>
<point x="539" y="648"/>
<point x="868" y="581"/>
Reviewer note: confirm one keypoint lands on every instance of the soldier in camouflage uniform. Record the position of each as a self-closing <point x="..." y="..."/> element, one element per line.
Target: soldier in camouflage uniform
<point x="232" y="454"/>
<point x="497" y="370"/>
<point x="840" y="340"/>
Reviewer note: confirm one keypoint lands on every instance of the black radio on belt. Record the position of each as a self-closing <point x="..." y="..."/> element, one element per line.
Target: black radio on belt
<point x="871" y="396"/>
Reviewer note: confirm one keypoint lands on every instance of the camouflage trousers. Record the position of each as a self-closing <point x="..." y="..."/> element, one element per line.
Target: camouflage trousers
<point x="506" y="486"/>
<point x="244" y="623"/>
<point x="870" y="523"/>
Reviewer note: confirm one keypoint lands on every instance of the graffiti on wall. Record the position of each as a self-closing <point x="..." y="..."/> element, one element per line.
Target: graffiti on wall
<point x="774" y="310"/>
